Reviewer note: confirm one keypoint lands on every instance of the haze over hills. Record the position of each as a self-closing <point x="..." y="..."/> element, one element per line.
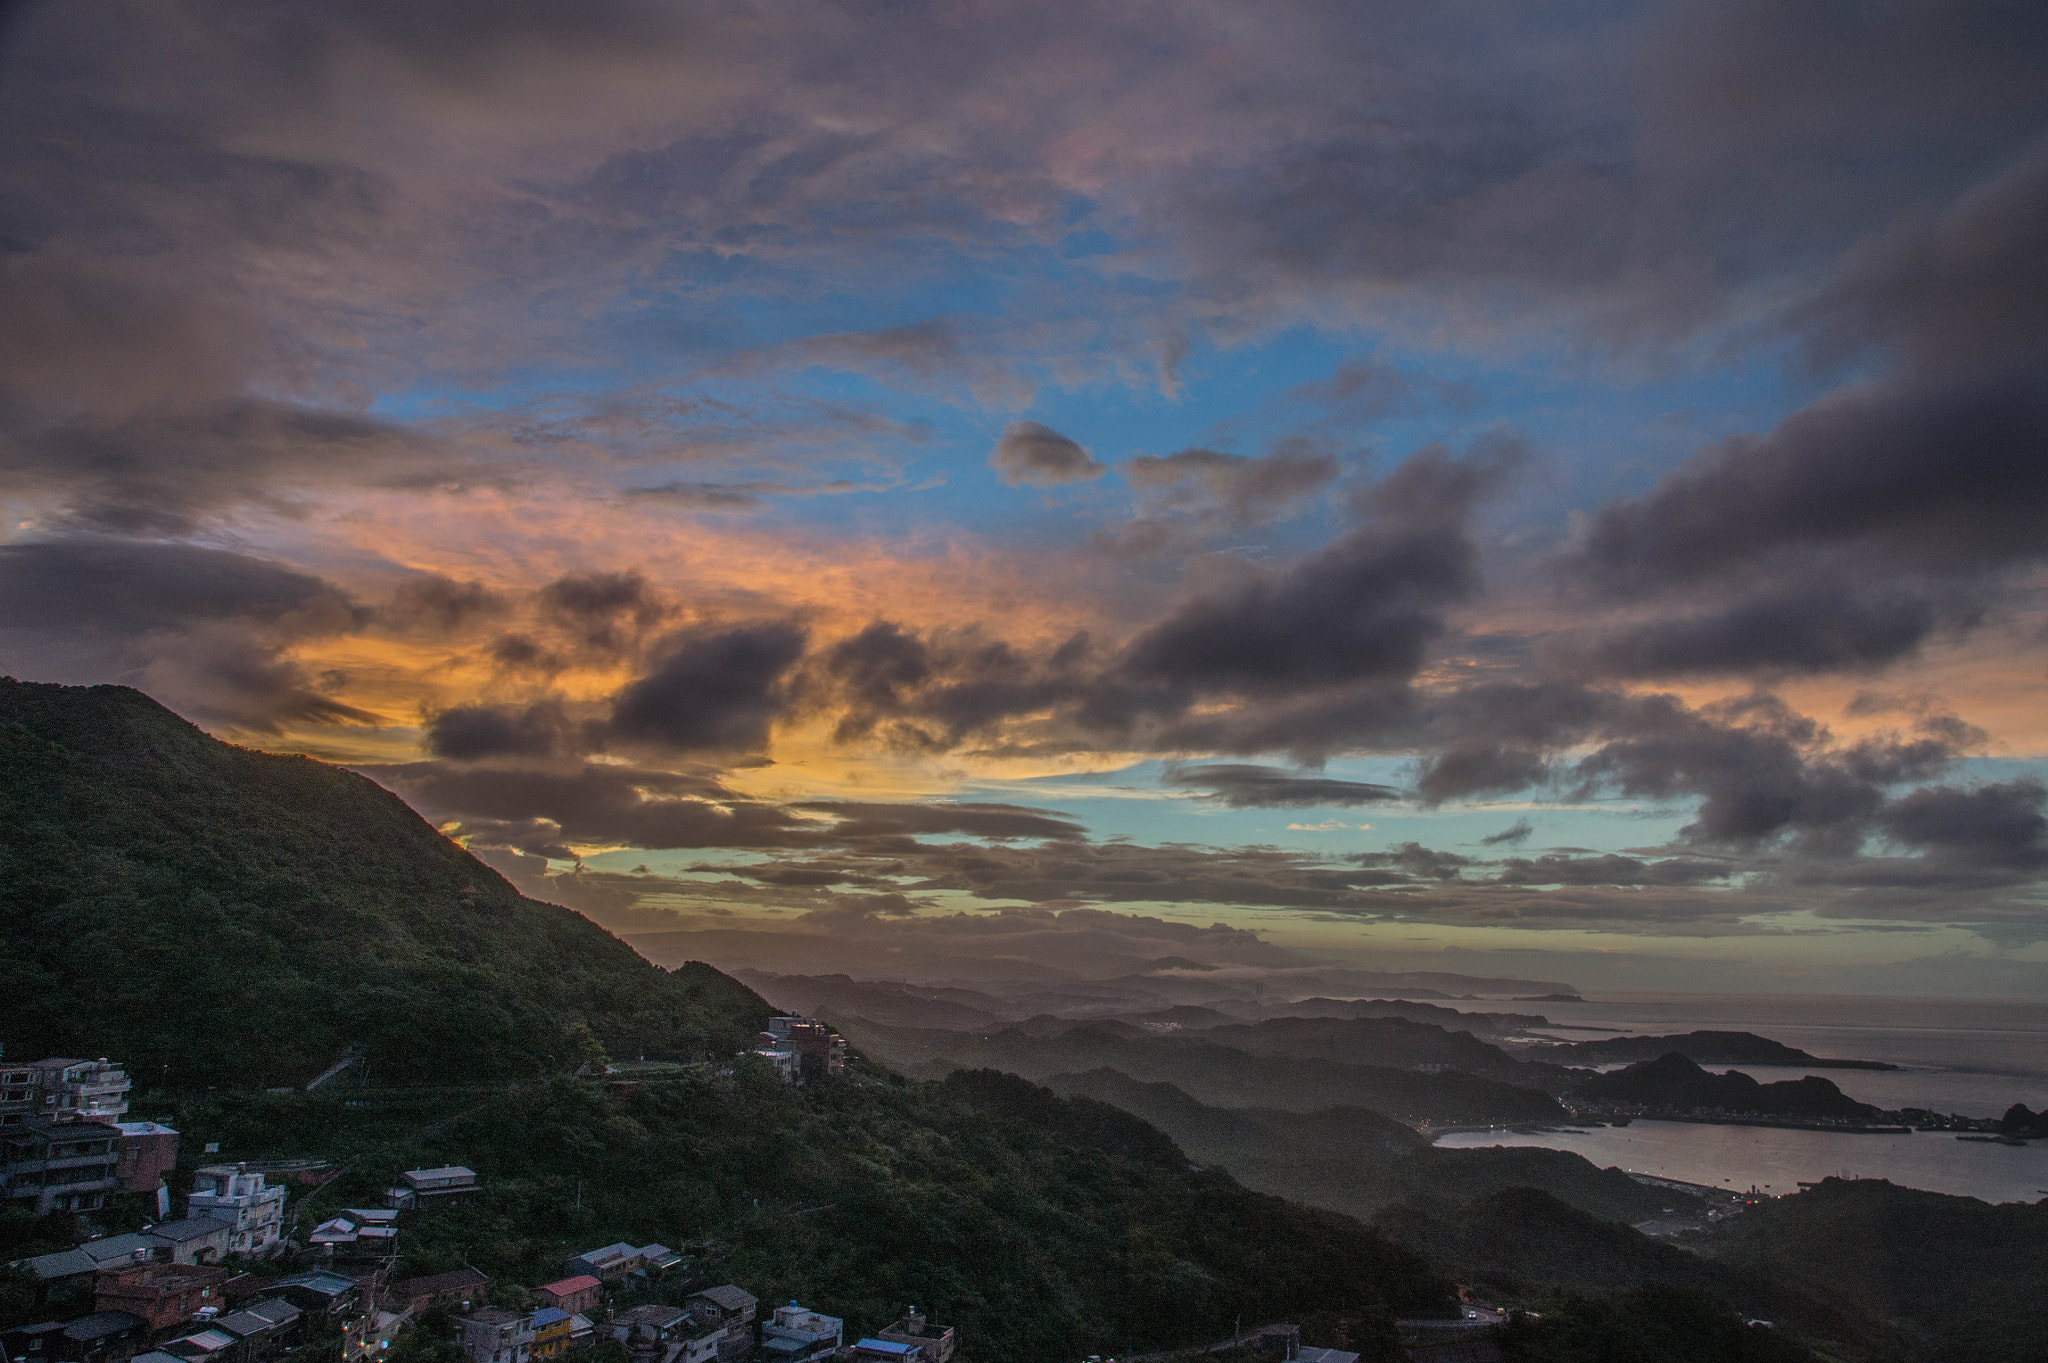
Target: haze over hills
<point x="298" y="909"/>
<point x="222" y="919"/>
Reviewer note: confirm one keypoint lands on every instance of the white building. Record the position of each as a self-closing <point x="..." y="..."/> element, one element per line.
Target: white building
<point x="795" y="1334"/>
<point x="229" y="1192"/>
<point x="88" y="1090"/>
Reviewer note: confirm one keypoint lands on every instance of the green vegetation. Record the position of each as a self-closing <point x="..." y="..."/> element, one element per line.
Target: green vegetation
<point x="1043" y="1228"/>
<point x="212" y="915"/>
<point x="1649" y="1325"/>
<point x="1949" y="1278"/>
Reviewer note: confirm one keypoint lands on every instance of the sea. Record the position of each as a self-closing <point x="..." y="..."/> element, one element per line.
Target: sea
<point x="1975" y="1058"/>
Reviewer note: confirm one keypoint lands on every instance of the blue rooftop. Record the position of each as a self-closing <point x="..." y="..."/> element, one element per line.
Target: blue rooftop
<point x="548" y="1315"/>
<point x="885" y="1346"/>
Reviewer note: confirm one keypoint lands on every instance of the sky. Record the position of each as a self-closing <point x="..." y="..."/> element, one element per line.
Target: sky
<point x="1558" y="491"/>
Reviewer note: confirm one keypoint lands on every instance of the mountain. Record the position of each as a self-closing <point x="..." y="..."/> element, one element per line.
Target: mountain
<point x="1705" y="1048"/>
<point x="1216" y="1074"/>
<point x="210" y="914"/>
<point x="1352" y="1160"/>
<point x="1950" y="1279"/>
<point x="227" y="921"/>
<point x="1672" y="1081"/>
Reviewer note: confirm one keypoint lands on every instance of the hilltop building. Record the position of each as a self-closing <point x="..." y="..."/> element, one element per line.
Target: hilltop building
<point x="163" y="1295"/>
<point x="494" y="1335"/>
<point x="149" y="1152"/>
<point x="419" y="1186"/>
<point x="460" y="1289"/>
<point x="932" y="1343"/>
<point x="83" y="1090"/>
<point x="794" y="1334"/>
<point x="53" y="1165"/>
<point x="573" y="1295"/>
<point x="231" y="1193"/>
<point x="801" y="1049"/>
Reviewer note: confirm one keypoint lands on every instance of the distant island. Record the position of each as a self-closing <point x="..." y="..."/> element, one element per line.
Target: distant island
<point x="1705" y="1048"/>
<point x="1673" y="1083"/>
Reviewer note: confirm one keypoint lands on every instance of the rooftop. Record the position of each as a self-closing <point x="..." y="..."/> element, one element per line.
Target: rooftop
<point x="100" y="1324"/>
<point x="548" y="1315"/>
<point x="210" y="1340"/>
<point x="729" y="1297"/>
<point x="320" y="1280"/>
<point x="582" y="1282"/>
<point x="189" y="1228"/>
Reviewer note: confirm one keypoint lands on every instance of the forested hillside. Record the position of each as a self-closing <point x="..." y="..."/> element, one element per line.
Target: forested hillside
<point x="213" y="915"/>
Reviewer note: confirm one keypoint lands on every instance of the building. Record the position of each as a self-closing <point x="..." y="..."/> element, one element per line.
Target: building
<point x="573" y="1295"/>
<point x="209" y="1345"/>
<point x="933" y="1342"/>
<point x="416" y="1187"/>
<point x="102" y="1337"/>
<point x="801" y="1049"/>
<point x="266" y="1328"/>
<point x="550" y="1326"/>
<point x="730" y="1305"/>
<point x="729" y="1312"/>
<point x="613" y="1262"/>
<point x="461" y="1289"/>
<point x="794" y="1334"/>
<point x="149" y="1152"/>
<point x="232" y="1193"/>
<point x="163" y="1295"/>
<point x="323" y="1295"/>
<point x="49" y="1165"/>
<point x="18" y="1097"/>
<point x="652" y="1334"/>
<point x="494" y="1335"/>
<point x="37" y="1343"/>
<point x="886" y="1351"/>
<point x="355" y="1232"/>
<point x="76" y="1090"/>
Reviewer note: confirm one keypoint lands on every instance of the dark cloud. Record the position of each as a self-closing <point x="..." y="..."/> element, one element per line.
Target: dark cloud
<point x="1959" y="290"/>
<point x="715" y="690"/>
<point x="602" y="612"/>
<point x="1249" y="787"/>
<point x="1365" y="607"/>
<point x="168" y="472"/>
<point x="440" y="606"/>
<point x="931" y="692"/>
<point x="1998" y="825"/>
<point x="594" y="805"/>
<point x="1039" y="455"/>
<point x="1819" y="625"/>
<point x="1234" y="489"/>
<point x="1513" y="835"/>
<point x="205" y="630"/>
<point x="1898" y="478"/>
<point x="469" y="732"/>
<point x="1414" y="860"/>
<point x="861" y="820"/>
<point x="1609" y="870"/>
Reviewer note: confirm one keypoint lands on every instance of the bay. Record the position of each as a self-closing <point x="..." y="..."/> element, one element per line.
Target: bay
<point x="1777" y="1161"/>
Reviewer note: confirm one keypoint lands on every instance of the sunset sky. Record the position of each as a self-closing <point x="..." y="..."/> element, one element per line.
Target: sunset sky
<point x="1464" y="486"/>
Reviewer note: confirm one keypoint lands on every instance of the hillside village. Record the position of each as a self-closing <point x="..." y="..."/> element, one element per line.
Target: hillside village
<point x="202" y="1288"/>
